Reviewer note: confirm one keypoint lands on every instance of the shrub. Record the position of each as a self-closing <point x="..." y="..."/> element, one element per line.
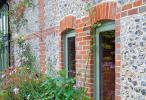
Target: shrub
<point x="62" y="88"/>
<point x="22" y="83"/>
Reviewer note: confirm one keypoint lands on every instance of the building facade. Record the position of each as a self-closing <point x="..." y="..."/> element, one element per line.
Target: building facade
<point x="107" y="43"/>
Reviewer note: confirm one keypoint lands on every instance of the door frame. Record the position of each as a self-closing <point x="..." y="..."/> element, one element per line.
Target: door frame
<point x="66" y="36"/>
<point x="107" y="26"/>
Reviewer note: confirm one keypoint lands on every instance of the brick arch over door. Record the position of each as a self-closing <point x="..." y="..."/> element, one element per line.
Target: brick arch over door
<point x="103" y="11"/>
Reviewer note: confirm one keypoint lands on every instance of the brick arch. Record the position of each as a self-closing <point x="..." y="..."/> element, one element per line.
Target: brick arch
<point x="68" y="23"/>
<point x="103" y="11"/>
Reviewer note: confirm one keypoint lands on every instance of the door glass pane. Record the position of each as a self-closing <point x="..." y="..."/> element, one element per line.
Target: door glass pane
<point x="107" y="65"/>
<point x="71" y="56"/>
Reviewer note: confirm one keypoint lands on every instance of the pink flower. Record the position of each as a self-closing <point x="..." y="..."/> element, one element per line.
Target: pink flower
<point x="13" y="71"/>
<point x="17" y="1"/>
<point x="78" y="84"/>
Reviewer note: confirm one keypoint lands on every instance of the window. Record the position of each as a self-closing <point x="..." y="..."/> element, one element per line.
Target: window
<point x="105" y="62"/>
<point x="4" y="45"/>
<point x="70" y="54"/>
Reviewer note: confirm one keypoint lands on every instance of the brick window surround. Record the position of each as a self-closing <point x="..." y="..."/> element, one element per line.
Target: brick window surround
<point x="101" y="12"/>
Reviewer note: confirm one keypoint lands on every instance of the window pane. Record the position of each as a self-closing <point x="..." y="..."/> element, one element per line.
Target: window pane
<point x="4" y="49"/>
<point x="107" y="67"/>
<point x="71" y="56"/>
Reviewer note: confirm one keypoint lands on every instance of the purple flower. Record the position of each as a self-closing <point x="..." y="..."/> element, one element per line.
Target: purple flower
<point x="17" y="1"/>
<point x="78" y="84"/>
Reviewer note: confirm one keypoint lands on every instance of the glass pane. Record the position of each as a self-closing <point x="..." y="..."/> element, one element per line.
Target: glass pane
<point x="107" y="67"/>
<point x="4" y="50"/>
<point x="71" y="56"/>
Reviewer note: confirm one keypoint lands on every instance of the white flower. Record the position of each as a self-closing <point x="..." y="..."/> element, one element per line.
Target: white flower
<point x="16" y="90"/>
<point x="28" y="97"/>
<point x="10" y="73"/>
<point x="16" y="35"/>
<point x="3" y="76"/>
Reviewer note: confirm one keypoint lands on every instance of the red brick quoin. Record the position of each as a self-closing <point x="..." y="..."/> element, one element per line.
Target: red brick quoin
<point x="67" y="23"/>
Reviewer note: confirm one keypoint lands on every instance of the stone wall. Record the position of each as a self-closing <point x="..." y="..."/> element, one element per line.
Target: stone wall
<point x="133" y="52"/>
<point x="125" y="1"/>
<point x="15" y="55"/>
<point x="30" y="16"/>
<point x="52" y="49"/>
<point x="55" y="10"/>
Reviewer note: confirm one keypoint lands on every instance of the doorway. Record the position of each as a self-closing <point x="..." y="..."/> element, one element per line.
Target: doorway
<point x="105" y="62"/>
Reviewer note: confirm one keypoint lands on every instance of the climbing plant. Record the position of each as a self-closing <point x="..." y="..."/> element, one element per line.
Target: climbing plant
<point x="27" y="58"/>
<point x="89" y="8"/>
<point x="18" y="20"/>
<point x="16" y="13"/>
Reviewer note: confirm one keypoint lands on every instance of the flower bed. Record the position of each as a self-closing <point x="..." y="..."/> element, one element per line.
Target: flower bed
<point x="22" y="83"/>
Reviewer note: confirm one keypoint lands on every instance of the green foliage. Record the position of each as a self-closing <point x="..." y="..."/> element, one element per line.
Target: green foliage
<point x="1" y="43"/>
<point x="27" y="3"/>
<point x="62" y="88"/>
<point x="96" y="25"/>
<point x="20" y="41"/>
<point x="21" y="83"/>
<point x="28" y="59"/>
<point x="30" y="89"/>
<point x="4" y="95"/>
<point x="1" y="40"/>
<point x="88" y="6"/>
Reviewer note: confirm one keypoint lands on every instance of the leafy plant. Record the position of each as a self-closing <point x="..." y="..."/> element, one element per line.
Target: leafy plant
<point x="1" y="39"/>
<point x="62" y="88"/>
<point x="21" y="83"/>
